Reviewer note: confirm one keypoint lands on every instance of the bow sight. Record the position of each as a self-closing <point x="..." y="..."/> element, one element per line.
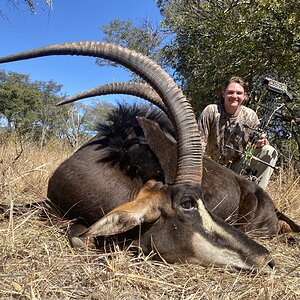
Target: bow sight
<point x="277" y="87"/>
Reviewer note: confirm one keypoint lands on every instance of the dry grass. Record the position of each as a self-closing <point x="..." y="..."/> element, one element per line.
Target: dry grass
<point x="36" y="261"/>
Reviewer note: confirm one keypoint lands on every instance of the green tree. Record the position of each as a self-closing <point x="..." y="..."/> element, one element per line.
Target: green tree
<point x="48" y="117"/>
<point x="217" y="39"/>
<point x="94" y="114"/>
<point x="18" y="101"/>
<point x="31" y="4"/>
<point x="144" y="37"/>
<point x="30" y="108"/>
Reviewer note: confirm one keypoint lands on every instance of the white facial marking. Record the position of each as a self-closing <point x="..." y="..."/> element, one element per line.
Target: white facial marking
<point x="207" y="254"/>
<point x="208" y="222"/>
<point x="205" y="249"/>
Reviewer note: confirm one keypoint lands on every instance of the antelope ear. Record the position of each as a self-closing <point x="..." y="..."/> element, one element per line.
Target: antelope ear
<point x="146" y="207"/>
<point x="163" y="146"/>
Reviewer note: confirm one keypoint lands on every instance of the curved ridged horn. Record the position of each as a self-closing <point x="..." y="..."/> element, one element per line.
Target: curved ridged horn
<point x="138" y="89"/>
<point x="189" y="144"/>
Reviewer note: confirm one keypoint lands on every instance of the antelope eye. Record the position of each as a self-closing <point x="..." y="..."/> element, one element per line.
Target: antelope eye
<point x="189" y="204"/>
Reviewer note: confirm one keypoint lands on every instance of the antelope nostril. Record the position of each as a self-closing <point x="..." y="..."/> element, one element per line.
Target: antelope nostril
<point x="271" y="264"/>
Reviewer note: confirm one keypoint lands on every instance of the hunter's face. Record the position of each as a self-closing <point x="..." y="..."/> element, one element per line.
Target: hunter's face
<point x="234" y="95"/>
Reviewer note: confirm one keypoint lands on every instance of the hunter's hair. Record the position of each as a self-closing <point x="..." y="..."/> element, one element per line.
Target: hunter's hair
<point x="235" y="79"/>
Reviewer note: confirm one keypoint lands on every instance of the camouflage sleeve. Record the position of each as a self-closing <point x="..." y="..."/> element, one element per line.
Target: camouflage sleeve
<point x="204" y="123"/>
<point x="254" y="119"/>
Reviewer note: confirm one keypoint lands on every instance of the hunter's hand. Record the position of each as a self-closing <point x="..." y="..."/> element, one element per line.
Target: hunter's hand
<point x="262" y="141"/>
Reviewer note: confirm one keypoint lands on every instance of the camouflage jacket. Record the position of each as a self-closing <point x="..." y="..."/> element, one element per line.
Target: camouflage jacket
<point x="221" y="132"/>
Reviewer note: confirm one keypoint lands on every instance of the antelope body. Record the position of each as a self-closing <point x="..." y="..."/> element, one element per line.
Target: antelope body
<point x="168" y="217"/>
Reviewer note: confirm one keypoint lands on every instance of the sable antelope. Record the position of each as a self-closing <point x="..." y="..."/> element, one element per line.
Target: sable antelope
<point x="229" y="195"/>
<point x="170" y="219"/>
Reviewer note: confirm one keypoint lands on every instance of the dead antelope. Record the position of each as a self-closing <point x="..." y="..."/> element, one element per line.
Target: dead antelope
<point x="169" y="218"/>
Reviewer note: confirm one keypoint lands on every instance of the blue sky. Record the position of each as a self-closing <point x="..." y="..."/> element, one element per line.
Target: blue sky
<point x="69" y="21"/>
